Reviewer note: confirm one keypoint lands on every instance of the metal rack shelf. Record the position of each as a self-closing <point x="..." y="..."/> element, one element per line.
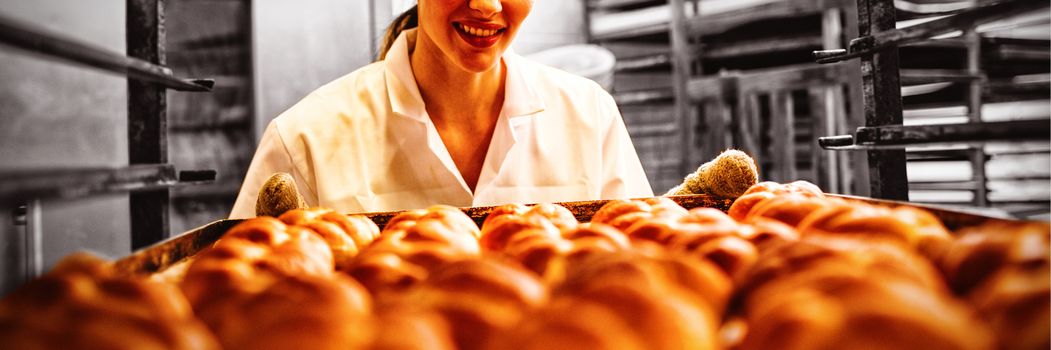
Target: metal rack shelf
<point x="20" y="186"/>
<point x="149" y="175"/>
<point x="56" y="46"/>
<point x="901" y="136"/>
<point x="892" y="38"/>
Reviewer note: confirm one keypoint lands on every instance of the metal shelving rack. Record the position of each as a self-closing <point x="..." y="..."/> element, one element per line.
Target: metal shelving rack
<point x="149" y="175"/>
<point x="695" y="114"/>
<point x="884" y="137"/>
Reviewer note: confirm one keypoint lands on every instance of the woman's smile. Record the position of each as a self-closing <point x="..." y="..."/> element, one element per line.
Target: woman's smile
<point x="478" y="34"/>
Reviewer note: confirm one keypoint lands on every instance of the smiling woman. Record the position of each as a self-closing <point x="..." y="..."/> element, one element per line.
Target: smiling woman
<point x="450" y="115"/>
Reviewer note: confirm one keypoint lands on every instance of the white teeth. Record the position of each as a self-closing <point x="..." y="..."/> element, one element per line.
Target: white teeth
<point x="478" y="31"/>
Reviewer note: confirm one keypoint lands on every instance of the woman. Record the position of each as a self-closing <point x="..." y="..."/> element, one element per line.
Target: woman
<point x="450" y="116"/>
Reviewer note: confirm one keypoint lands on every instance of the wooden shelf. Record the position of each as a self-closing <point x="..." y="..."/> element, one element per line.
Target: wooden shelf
<point x="21" y="186"/>
<point x="52" y="45"/>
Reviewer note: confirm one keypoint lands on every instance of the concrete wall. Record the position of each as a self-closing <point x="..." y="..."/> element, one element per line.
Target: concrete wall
<point x="302" y="45"/>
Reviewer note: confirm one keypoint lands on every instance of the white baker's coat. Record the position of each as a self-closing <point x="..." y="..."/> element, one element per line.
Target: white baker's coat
<point x="364" y="143"/>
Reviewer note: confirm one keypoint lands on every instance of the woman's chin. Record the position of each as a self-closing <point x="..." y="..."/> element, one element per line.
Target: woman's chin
<point x="479" y="63"/>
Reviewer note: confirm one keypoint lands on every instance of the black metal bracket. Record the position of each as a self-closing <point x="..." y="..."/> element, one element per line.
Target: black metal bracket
<point x="969" y="18"/>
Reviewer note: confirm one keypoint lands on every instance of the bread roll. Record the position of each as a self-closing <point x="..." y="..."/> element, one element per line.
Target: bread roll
<point x="979" y="252"/>
<point x="380" y="272"/>
<point x="743" y="205"/>
<point x="651" y="297"/>
<point x="295" y="312"/>
<point x="252" y="255"/>
<point x="862" y="221"/>
<point x="856" y="312"/>
<point x="345" y="235"/>
<point x="499" y="230"/>
<point x="763" y="231"/>
<point x="789" y="208"/>
<point x="291" y="249"/>
<point x="734" y="255"/>
<point x="571" y="323"/>
<point x="83" y="304"/>
<point x="407" y="327"/>
<point x="480" y="299"/>
<point x="558" y="215"/>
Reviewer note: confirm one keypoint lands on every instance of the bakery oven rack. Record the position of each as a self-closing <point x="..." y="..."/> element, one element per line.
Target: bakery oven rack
<point x="884" y="136"/>
<point x="149" y="175"/>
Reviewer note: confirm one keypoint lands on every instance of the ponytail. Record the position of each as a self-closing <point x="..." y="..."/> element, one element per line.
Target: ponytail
<point x="407" y="20"/>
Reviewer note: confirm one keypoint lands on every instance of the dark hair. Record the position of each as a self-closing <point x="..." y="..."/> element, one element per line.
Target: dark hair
<point x="407" y="20"/>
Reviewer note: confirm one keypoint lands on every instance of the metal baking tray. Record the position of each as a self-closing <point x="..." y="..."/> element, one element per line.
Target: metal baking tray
<point x="162" y="255"/>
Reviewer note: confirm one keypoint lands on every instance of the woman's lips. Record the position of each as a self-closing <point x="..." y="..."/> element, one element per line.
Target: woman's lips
<point x="479" y="35"/>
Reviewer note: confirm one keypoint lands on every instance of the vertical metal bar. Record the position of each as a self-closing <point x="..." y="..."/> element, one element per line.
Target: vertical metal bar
<point x="680" y="78"/>
<point x="974" y="105"/>
<point x="826" y="163"/>
<point x="882" y="88"/>
<point x="854" y="166"/>
<point x="34" y="240"/>
<point x="147" y="120"/>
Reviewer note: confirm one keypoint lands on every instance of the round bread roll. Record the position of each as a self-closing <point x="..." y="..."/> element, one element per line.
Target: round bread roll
<point x="743" y="205"/>
<point x="83" y="304"/>
<point x="558" y="215"/>
<point x="664" y="316"/>
<point x="571" y="323"/>
<point x="858" y="312"/>
<point x="664" y="206"/>
<point x="763" y="231"/>
<point x="345" y="235"/>
<point x="1016" y="302"/>
<point x="431" y="231"/>
<point x="979" y="252"/>
<point x="538" y="252"/>
<point x="692" y="276"/>
<point x="513" y="209"/>
<point x="621" y="214"/>
<point x="480" y="299"/>
<point x="732" y="254"/>
<point x="487" y="278"/>
<point x="380" y="272"/>
<point x="250" y="256"/>
<point x="862" y="221"/>
<point x="292" y="249"/>
<point x="597" y="231"/>
<point x="790" y="208"/>
<point x="768" y="189"/>
<point x="703" y="215"/>
<point x="406" y="327"/>
<point x="443" y="224"/>
<point x="765" y="186"/>
<point x="796" y="263"/>
<point x="497" y="231"/>
<point x="295" y="312"/>
<point x="615" y="208"/>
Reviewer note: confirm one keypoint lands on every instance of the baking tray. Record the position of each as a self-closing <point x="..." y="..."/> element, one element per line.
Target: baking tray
<point x="160" y="256"/>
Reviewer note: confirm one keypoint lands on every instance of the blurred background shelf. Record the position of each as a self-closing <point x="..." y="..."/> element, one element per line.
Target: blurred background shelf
<point x="51" y="184"/>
